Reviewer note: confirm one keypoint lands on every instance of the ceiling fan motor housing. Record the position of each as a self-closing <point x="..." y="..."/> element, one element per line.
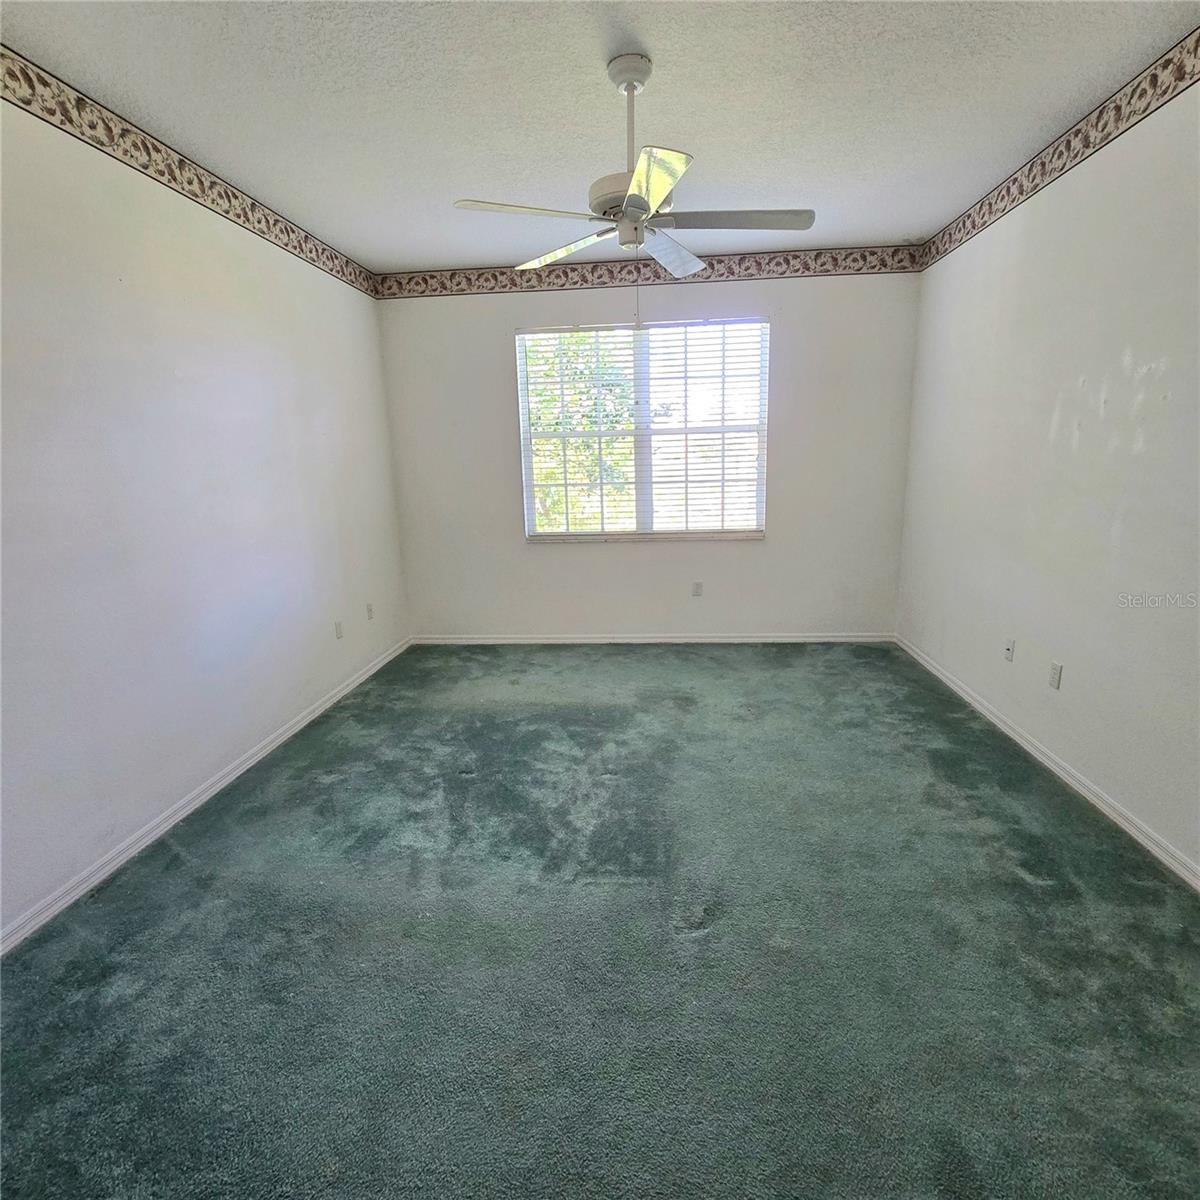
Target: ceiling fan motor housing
<point x="606" y="197"/>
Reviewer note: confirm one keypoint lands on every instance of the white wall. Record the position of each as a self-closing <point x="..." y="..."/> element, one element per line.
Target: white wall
<point x="841" y="368"/>
<point x="1054" y="466"/>
<point x="197" y="484"/>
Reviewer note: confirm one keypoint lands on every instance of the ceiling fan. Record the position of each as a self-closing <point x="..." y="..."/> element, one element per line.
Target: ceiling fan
<point x="636" y="204"/>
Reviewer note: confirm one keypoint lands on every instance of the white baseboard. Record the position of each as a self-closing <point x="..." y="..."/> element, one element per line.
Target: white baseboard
<point x="1171" y="858"/>
<point x="588" y="639"/>
<point x="20" y="928"/>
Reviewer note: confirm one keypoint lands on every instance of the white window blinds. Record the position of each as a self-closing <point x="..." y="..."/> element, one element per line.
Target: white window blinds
<point x="636" y="431"/>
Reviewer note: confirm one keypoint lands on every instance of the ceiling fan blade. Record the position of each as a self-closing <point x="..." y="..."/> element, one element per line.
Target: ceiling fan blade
<point x="563" y="251"/>
<point x="658" y="170"/>
<point x="665" y="250"/>
<point x="748" y="218"/>
<point x="524" y="210"/>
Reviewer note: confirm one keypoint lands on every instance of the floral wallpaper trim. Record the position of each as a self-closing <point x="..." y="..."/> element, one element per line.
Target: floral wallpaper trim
<point x="1163" y="80"/>
<point x="36" y="91"/>
<point x="49" y="98"/>
<point x="786" y="264"/>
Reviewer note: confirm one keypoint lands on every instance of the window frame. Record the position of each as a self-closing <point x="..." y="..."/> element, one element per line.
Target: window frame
<point x="642" y="434"/>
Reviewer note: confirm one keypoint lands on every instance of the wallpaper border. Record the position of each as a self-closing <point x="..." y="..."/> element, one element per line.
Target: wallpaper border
<point x="1167" y="77"/>
<point x="41" y="93"/>
<point x="783" y="264"/>
<point x="50" y="99"/>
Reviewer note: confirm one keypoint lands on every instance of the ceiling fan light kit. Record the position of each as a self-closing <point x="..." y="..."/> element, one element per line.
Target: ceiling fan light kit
<point x="637" y="204"/>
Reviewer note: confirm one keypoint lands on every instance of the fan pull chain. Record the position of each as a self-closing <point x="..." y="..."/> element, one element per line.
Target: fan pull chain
<point x="637" y="288"/>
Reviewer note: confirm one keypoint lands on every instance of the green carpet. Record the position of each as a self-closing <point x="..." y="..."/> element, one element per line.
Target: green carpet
<point x="620" y="921"/>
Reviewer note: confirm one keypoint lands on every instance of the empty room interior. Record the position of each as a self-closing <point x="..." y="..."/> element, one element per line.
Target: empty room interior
<point x="600" y="600"/>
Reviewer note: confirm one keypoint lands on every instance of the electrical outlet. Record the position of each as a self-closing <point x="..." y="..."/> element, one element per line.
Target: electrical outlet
<point x="697" y="588"/>
<point x="1009" y="649"/>
<point x="337" y="629"/>
<point x="370" y="612"/>
<point x="1055" y="675"/>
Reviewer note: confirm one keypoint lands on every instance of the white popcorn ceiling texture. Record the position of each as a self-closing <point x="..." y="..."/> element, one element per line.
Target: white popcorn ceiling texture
<point x="363" y="123"/>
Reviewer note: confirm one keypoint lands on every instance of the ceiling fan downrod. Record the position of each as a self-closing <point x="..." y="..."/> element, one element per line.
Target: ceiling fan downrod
<point x="630" y="73"/>
<point x="630" y="153"/>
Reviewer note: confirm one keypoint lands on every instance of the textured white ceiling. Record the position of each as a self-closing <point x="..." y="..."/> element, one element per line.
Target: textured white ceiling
<point x="363" y="122"/>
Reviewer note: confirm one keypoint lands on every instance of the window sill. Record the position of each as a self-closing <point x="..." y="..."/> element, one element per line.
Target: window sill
<point x="715" y="535"/>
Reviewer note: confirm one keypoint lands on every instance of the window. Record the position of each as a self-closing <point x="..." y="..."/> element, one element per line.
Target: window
<point x="643" y="431"/>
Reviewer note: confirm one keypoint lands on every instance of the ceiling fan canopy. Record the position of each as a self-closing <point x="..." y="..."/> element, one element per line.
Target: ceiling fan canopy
<point x="637" y="205"/>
